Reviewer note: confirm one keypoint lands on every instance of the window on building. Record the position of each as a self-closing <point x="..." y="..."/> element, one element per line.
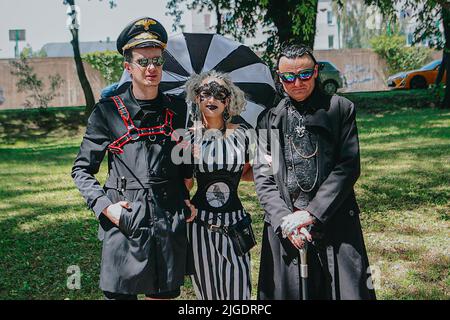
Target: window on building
<point x="330" y="17"/>
<point x="207" y="19"/>
<point x="228" y="16"/>
<point x="331" y="41"/>
<point x="409" y="39"/>
<point x="402" y="14"/>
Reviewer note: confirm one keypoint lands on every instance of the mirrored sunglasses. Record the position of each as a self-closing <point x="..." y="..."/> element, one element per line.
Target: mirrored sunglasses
<point x="145" y="62"/>
<point x="289" y="77"/>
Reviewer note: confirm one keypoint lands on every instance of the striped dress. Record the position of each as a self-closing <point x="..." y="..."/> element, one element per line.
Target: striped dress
<point x="220" y="274"/>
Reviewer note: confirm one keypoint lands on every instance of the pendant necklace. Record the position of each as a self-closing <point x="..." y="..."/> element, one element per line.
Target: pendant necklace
<point x="300" y="131"/>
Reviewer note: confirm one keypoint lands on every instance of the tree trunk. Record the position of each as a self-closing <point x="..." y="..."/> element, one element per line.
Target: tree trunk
<point x="219" y="18"/>
<point x="446" y="22"/>
<point x="277" y="11"/>
<point x="87" y="90"/>
<point x="312" y="35"/>
<point x="88" y="95"/>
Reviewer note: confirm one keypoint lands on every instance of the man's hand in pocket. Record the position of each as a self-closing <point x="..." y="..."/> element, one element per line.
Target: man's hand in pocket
<point x="114" y="211"/>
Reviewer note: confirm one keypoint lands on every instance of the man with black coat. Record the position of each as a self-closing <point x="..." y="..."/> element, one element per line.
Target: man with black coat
<point x="308" y="164"/>
<point x="143" y="206"/>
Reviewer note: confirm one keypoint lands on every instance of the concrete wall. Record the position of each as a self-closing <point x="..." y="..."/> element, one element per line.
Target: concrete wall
<point x="71" y="91"/>
<point x="362" y="68"/>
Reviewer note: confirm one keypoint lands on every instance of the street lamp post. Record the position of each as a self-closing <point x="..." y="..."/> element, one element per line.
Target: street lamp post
<point x="16" y="35"/>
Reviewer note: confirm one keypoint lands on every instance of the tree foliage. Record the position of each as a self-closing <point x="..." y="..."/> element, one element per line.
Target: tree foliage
<point x="357" y="23"/>
<point x="28" y="52"/>
<point x="74" y="26"/>
<point x="397" y="55"/>
<point x="29" y="82"/>
<point x="432" y="17"/>
<point x="282" y="20"/>
<point x="109" y="63"/>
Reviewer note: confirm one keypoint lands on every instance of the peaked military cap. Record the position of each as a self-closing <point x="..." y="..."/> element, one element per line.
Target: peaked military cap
<point x="141" y="33"/>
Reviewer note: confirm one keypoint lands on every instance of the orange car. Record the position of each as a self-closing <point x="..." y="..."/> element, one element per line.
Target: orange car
<point x="416" y="79"/>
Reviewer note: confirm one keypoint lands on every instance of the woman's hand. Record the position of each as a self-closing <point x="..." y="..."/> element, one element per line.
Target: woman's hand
<point x="189" y="183"/>
<point x="193" y="210"/>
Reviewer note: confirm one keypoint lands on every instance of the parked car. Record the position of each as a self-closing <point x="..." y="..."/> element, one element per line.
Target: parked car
<point x="416" y="79"/>
<point x="330" y="77"/>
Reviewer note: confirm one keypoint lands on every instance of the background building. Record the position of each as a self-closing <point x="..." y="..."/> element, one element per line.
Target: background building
<point x="65" y="49"/>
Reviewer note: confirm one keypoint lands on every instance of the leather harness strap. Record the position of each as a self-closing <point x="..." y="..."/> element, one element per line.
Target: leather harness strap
<point x="133" y="133"/>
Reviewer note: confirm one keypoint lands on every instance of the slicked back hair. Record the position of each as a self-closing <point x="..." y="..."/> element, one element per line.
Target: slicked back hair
<point x="294" y="51"/>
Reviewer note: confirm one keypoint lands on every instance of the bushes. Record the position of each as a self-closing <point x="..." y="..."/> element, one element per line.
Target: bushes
<point x="109" y="63"/>
<point x="398" y="56"/>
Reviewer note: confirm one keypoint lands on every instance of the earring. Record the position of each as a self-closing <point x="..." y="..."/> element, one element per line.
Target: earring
<point x="226" y="115"/>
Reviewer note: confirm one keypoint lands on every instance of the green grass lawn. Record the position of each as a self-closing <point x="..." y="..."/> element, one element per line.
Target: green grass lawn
<point x="403" y="191"/>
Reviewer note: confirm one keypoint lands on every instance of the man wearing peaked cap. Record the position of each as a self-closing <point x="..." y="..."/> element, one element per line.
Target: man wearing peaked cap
<point x="141" y="33"/>
<point x="144" y="205"/>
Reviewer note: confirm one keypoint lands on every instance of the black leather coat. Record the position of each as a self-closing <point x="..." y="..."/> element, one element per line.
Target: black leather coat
<point x="147" y="252"/>
<point x="334" y="205"/>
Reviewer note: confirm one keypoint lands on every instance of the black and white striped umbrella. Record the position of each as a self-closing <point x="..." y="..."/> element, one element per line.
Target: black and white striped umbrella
<point x="189" y="53"/>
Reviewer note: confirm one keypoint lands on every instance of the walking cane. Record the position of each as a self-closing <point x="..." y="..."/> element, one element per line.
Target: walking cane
<point x="304" y="268"/>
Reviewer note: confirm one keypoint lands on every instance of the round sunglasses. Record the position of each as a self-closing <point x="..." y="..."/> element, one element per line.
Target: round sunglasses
<point x="145" y="62"/>
<point x="303" y="75"/>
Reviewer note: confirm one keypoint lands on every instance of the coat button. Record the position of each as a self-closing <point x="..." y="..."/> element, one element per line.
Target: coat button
<point x="294" y="261"/>
<point x="351" y="213"/>
<point x="290" y="168"/>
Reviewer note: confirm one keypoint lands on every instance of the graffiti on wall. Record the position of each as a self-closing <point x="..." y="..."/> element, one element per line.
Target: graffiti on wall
<point x="358" y="74"/>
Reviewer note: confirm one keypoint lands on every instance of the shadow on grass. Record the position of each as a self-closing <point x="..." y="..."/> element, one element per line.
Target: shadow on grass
<point x="11" y="194"/>
<point x="30" y="124"/>
<point x="391" y="100"/>
<point x="383" y="189"/>
<point x="32" y="154"/>
<point x="381" y="224"/>
<point x="385" y="137"/>
<point x="403" y="169"/>
<point x="398" y="252"/>
<point x="34" y="263"/>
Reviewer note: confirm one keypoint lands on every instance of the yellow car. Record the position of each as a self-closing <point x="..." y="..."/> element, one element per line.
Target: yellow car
<point x="416" y="79"/>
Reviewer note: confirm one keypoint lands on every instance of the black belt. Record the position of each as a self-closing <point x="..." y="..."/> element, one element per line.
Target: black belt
<point x="212" y="227"/>
<point x="126" y="183"/>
